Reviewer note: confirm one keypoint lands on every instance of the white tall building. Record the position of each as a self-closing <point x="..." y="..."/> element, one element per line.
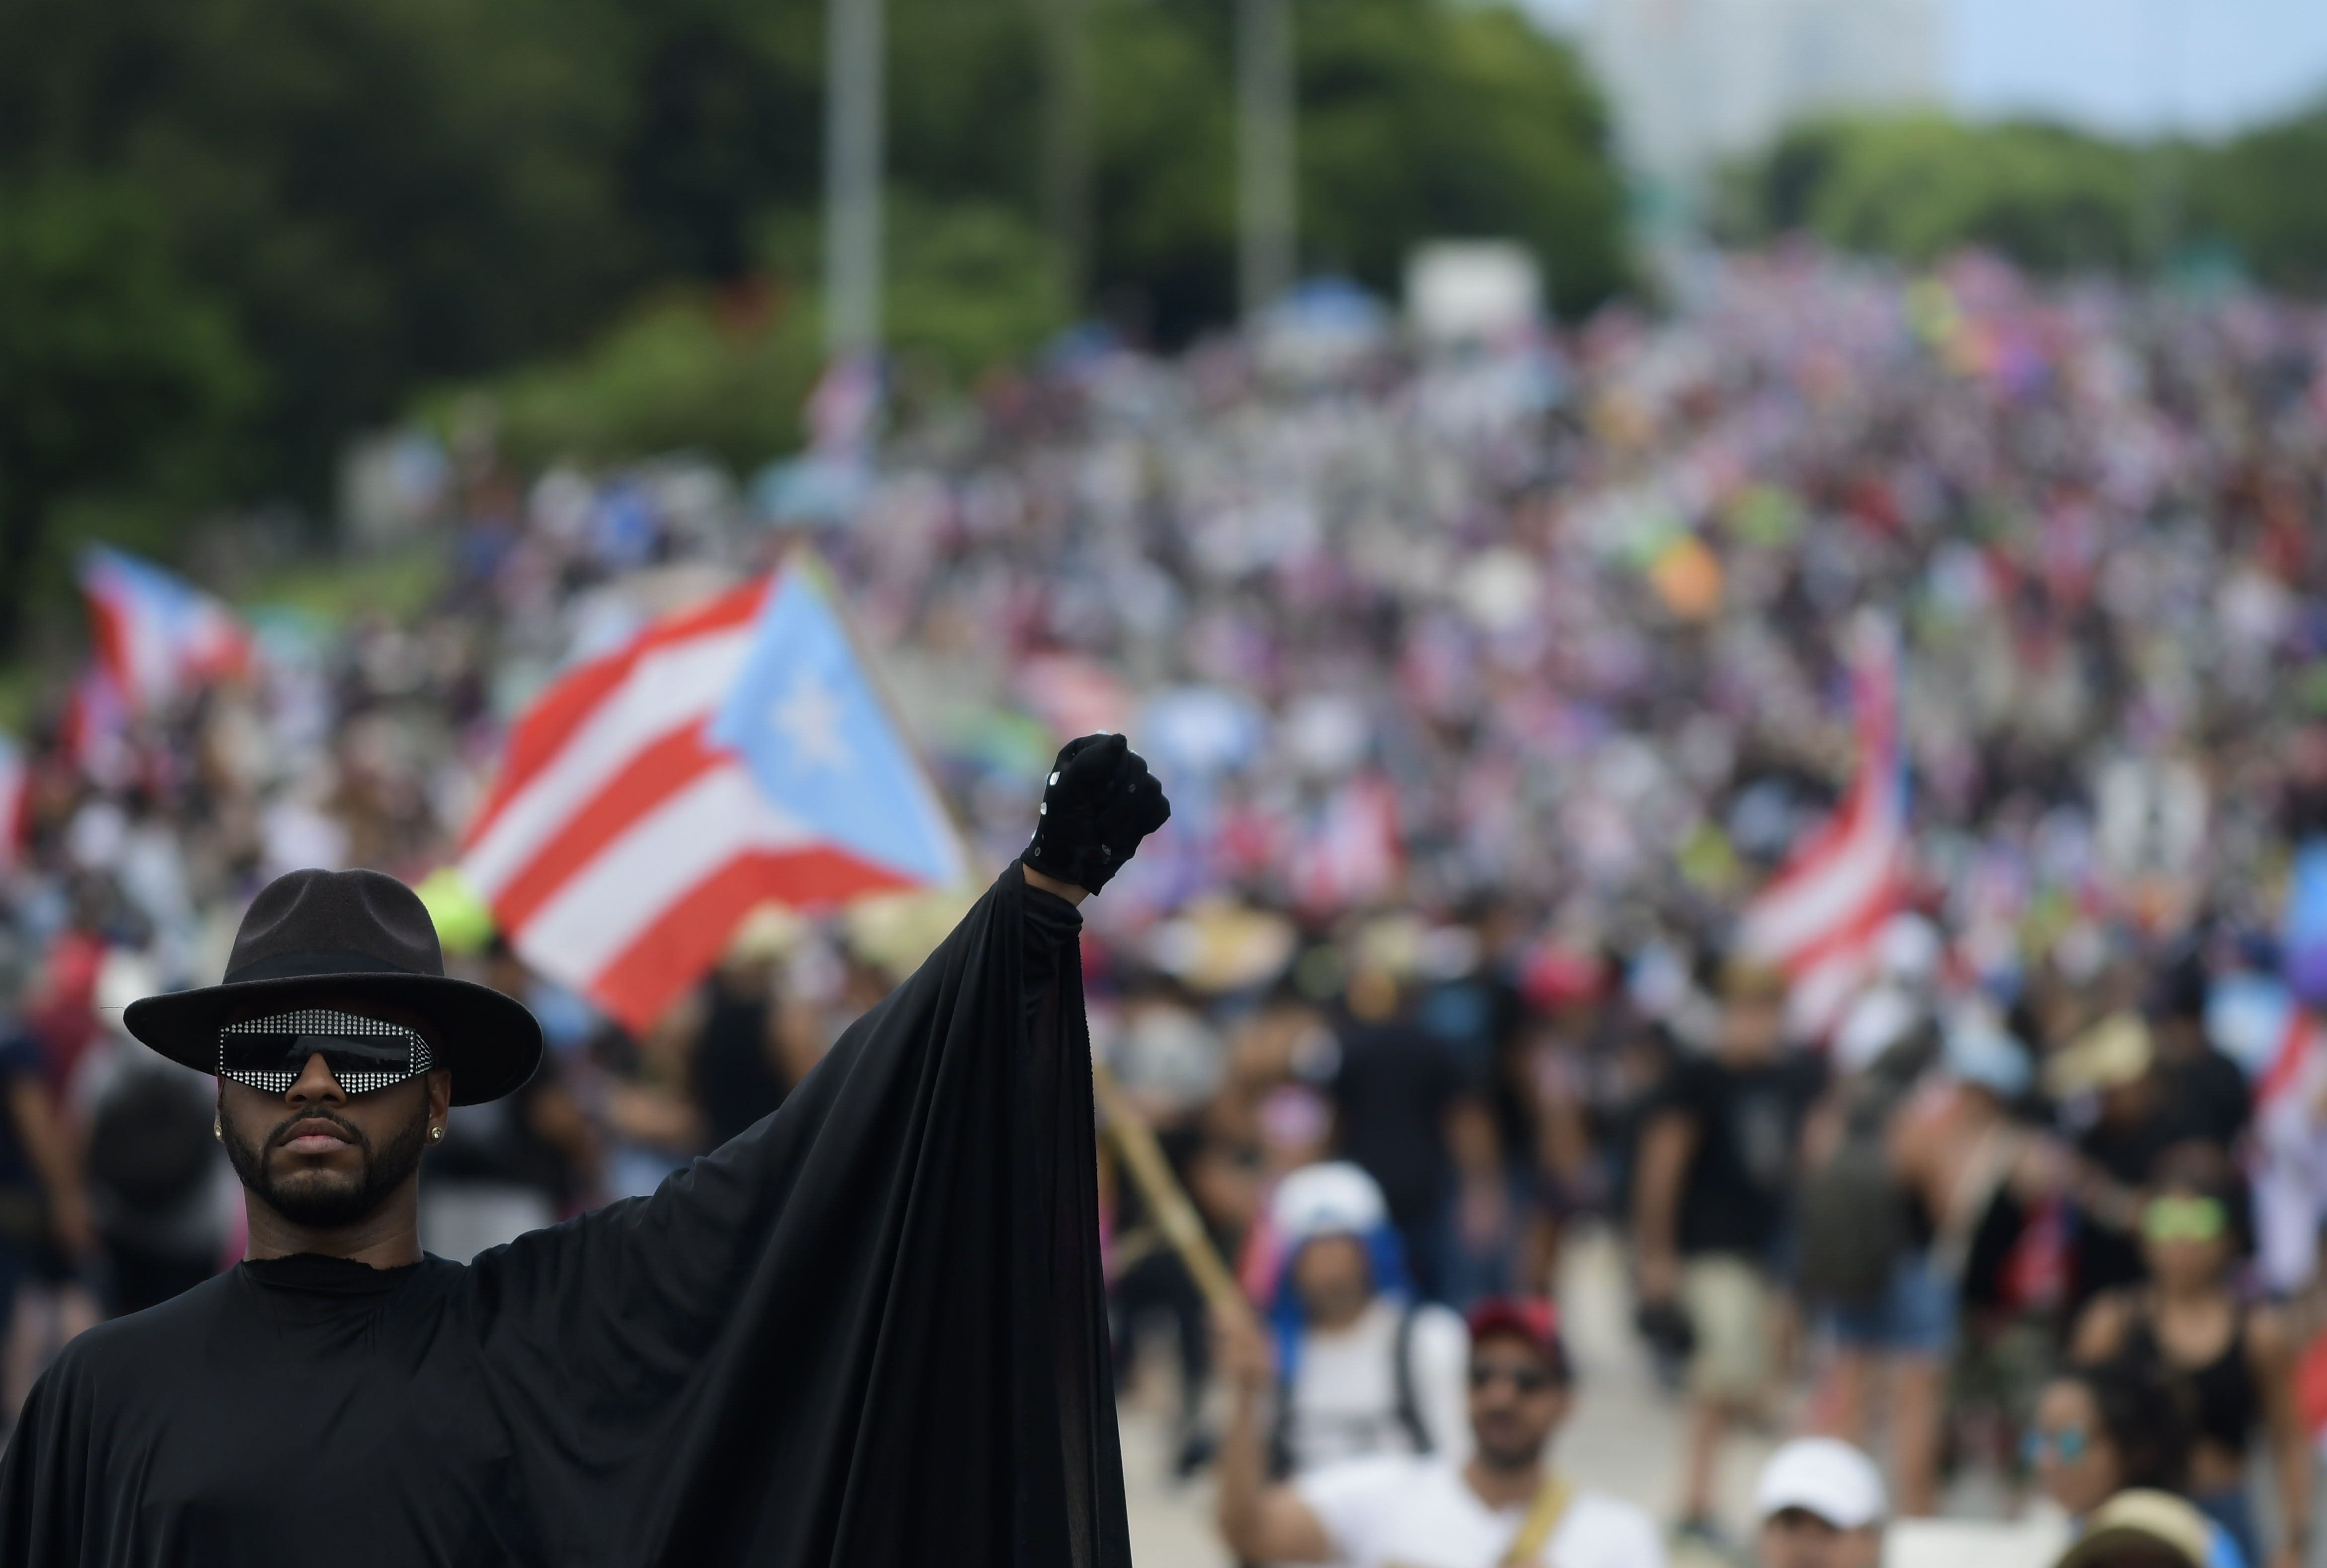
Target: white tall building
<point x="1692" y="83"/>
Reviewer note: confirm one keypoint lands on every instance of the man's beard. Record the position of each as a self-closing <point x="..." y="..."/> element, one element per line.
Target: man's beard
<point x="329" y="1199"/>
<point x="1509" y="1456"/>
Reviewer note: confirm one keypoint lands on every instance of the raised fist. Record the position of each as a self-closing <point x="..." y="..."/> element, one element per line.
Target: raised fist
<point x="1100" y="802"/>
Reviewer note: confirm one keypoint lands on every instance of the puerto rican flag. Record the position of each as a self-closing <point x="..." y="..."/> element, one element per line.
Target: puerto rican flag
<point x="15" y="802"/>
<point x="1820" y="919"/>
<point x="731" y="755"/>
<point x="157" y="636"/>
<point x="2261" y="1023"/>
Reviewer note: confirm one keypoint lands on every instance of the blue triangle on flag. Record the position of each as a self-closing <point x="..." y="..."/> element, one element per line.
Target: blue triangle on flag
<point x="820" y="745"/>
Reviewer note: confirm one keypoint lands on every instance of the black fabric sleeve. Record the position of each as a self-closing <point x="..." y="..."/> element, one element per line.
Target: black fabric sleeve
<point x="869" y="1330"/>
<point x="45" y="1511"/>
<point x="1052" y="925"/>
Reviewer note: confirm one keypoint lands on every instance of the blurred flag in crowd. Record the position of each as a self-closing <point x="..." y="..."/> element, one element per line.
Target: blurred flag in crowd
<point x="730" y="755"/>
<point x="1821" y="918"/>
<point x="2263" y="1025"/>
<point x="2303" y="930"/>
<point x="95" y="729"/>
<point x="14" y="791"/>
<point x="157" y="635"/>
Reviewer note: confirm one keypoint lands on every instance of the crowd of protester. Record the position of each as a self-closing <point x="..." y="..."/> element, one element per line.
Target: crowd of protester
<point x="1488" y="682"/>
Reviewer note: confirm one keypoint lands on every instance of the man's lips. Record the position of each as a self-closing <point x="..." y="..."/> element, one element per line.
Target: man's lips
<point x="311" y="1137"/>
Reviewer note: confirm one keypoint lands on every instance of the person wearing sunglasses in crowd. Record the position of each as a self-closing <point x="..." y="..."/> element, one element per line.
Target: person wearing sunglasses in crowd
<point x="2233" y="1361"/>
<point x="887" y="1290"/>
<point x="2107" y="1428"/>
<point x="1502" y="1507"/>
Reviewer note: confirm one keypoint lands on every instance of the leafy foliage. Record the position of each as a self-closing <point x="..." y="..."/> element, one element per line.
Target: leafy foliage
<point x="2052" y="199"/>
<point x="2265" y="194"/>
<point x="727" y="371"/>
<point x="116" y="373"/>
<point x="376" y="191"/>
<point x="1461" y="121"/>
<point x="354" y="200"/>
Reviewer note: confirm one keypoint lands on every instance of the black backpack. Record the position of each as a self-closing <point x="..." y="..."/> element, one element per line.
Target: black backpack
<point x="1853" y="1228"/>
<point x="1853" y="1208"/>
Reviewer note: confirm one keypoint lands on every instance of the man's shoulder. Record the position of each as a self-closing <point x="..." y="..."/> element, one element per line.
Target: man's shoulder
<point x="132" y="1342"/>
<point x="1601" y="1531"/>
<point x="163" y="1320"/>
<point x="1369" y="1506"/>
<point x="1439" y="1332"/>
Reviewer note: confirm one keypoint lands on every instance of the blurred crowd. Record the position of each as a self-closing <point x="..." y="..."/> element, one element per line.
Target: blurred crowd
<point x="1489" y="682"/>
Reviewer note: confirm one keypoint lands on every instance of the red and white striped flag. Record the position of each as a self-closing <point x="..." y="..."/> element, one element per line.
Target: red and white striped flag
<point x="1820" y="919"/>
<point x="622" y="843"/>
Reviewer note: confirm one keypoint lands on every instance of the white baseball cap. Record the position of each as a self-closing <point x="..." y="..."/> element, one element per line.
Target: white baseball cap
<point x="1333" y="1199"/>
<point x="1824" y="1476"/>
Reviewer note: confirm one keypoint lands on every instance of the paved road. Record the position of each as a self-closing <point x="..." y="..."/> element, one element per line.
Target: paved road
<point x="1623" y="1438"/>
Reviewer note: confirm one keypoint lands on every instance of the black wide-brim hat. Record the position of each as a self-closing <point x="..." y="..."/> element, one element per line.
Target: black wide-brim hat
<point x="357" y="936"/>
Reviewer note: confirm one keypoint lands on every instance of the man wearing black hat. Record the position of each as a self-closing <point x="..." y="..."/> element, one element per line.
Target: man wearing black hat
<point x="869" y="1330"/>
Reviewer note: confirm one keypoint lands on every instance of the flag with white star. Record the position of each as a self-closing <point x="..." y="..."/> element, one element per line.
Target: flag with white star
<point x="821" y="745"/>
<point x="729" y="754"/>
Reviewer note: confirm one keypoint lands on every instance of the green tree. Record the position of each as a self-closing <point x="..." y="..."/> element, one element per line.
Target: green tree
<point x="1423" y="119"/>
<point x="379" y="191"/>
<point x="1916" y="187"/>
<point x="373" y="197"/>
<point x="1163" y="165"/>
<point x="116" y="372"/>
<point x="1419" y="120"/>
<point x="970" y="285"/>
<point x="2265" y="193"/>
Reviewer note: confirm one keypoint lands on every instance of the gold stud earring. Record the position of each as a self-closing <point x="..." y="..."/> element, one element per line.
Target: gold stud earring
<point x="435" y="1135"/>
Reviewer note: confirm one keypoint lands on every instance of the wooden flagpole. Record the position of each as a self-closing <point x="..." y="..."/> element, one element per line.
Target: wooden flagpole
<point x="1175" y="1212"/>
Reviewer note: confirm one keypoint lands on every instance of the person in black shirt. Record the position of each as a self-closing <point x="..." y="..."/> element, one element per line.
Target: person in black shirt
<point x="45" y="1226"/>
<point x="1716" y="1168"/>
<point x="738" y="1073"/>
<point x="869" y="1330"/>
<point x="1391" y="1092"/>
<point x="2203" y="1096"/>
<point x="2154" y="1088"/>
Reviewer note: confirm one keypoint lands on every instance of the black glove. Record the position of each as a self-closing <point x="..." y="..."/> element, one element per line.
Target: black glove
<point x="1100" y="802"/>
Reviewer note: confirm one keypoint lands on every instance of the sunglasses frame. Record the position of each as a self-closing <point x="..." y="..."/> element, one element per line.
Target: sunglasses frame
<point x="1526" y="1380"/>
<point x="325" y="1023"/>
<point x="2039" y="1443"/>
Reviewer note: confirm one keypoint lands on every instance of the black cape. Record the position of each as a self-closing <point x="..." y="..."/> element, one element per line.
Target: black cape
<point x="868" y="1331"/>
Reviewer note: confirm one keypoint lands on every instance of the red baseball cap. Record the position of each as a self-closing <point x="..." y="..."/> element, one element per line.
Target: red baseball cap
<point x="1531" y="1318"/>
